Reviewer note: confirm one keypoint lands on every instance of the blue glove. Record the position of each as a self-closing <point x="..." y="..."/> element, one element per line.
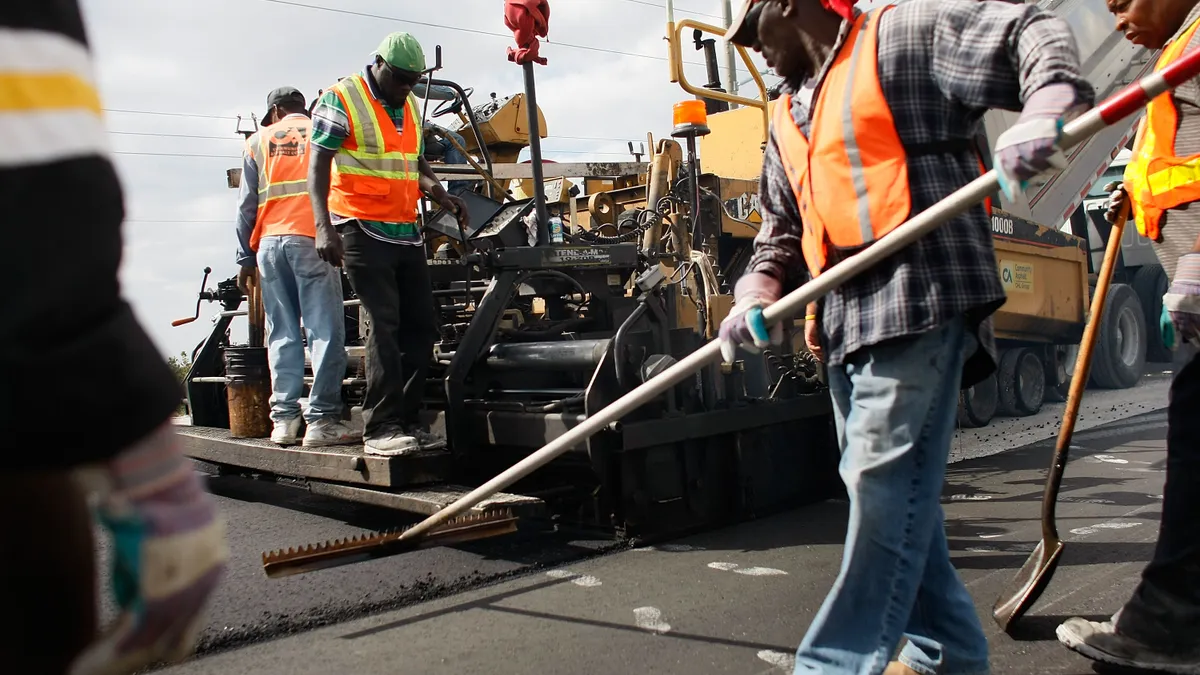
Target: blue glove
<point x="1181" y="304"/>
<point x="1031" y="146"/>
<point x="745" y="326"/>
<point x="1166" y="328"/>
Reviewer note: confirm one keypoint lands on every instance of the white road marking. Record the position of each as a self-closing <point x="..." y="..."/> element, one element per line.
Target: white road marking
<point x="970" y="498"/>
<point x="1093" y="529"/>
<point x="1082" y="500"/>
<point x="990" y="536"/>
<point x="780" y="660"/>
<point x="748" y="571"/>
<point x="1108" y="459"/>
<point x="585" y="580"/>
<point x="650" y="618"/>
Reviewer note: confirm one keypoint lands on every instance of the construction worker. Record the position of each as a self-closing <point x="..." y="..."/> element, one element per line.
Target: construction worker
<point x="277" y="237"/>
<point x="889" y="132"/>
<point x="68" y="331"/>
<point x="366" y="177"/>
<point x="1159" y="627"/>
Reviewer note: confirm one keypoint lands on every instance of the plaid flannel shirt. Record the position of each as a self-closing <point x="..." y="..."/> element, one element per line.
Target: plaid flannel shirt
<point x="942" y="64"/>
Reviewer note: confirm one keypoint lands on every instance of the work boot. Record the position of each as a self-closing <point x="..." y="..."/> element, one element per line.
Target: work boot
<point x="390" y="442"/>
<point x="286" y="432"/>
<point x="897" y="668"/>
<point x="330" y="431"/>
<point x="1099" y="641"/>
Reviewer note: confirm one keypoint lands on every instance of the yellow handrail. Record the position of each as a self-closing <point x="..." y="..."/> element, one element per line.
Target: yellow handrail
<point x="675" y="63"/>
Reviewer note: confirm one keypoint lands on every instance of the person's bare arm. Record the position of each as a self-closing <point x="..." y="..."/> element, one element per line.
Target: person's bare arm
<point x="329" y="242"/>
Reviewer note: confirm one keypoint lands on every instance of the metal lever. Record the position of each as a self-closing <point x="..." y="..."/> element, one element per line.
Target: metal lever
<point x="199" y="298"/>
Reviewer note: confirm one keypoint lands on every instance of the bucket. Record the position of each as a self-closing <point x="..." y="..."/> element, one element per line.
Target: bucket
<point x="248" y="392"/>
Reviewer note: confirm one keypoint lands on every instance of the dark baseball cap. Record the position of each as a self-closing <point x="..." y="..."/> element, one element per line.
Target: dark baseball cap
<point x="743" y="30"/>
<point x="281" y="96"/>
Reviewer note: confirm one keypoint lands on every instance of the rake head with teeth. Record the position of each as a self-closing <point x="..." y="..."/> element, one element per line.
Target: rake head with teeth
<point x="380" y="545"/>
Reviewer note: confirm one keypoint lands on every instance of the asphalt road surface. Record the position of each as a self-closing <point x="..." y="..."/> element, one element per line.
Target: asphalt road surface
<point x="250" y="608"/>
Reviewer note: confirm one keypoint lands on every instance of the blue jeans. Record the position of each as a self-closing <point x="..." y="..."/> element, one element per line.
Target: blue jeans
<point x="895" y="407"/>
<point x="297" y="283"/>
<point x="437" y="147"/>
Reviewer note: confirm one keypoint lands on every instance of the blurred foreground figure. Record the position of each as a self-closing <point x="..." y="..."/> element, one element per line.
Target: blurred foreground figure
<point x="85" y="398"/>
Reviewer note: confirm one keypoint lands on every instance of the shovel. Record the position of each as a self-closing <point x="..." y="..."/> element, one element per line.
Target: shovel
<point x="1035" y="575"/>
<point x="1116" y="108"/>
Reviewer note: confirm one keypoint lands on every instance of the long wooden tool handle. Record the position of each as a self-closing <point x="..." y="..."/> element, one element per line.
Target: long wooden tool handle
<point x="1083" y="367"/>
<point x="1116" y="108"/>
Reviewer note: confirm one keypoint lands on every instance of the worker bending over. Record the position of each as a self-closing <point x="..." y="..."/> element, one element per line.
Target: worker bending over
<point x="1159" y="627"/>
<point x="366" y="177"/>
<point x="277" y="244"/>
<point x="900" y="92"/>
<point x="86" y="399"/>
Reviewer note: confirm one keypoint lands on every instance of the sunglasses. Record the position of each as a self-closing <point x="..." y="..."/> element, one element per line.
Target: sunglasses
<point x="401" y="77"/>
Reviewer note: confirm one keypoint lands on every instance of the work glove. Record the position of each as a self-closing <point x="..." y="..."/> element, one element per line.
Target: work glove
<point x="1031" y="146"/>
<point x="745" y="326"/>
<point x="168" y="554"/>
<point x="1181" y="304"/>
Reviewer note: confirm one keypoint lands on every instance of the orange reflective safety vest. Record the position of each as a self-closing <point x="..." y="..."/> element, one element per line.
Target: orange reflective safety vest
<point x="851" y="180"/>
<point x="281" y="153"/>
<point x="1155" y="178"/>
<point x="375" y="173"/>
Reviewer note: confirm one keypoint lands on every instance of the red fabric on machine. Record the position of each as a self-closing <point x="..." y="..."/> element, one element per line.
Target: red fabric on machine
<point x="843" y="7"/>
<point x="528" y="20"/>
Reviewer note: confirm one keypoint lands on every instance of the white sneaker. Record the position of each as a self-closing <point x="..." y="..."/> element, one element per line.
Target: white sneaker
<point x="391" y="443"/>
<point x="285" y="432"/>
<point x="330" y="431"/>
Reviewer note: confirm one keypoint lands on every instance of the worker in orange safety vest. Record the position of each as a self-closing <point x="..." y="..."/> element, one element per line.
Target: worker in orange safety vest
<point x="277" y="245"/>
<point x="879" y="120"/>
<point x="366" y="179"/>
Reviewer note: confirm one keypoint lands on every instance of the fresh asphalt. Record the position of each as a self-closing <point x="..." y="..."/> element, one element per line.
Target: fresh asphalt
<point x="733" y="600"/>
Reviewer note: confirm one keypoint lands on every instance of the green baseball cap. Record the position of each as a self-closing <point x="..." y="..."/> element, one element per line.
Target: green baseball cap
<point x="401" y="50"/>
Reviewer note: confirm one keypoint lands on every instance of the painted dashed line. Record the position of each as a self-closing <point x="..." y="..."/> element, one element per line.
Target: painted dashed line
<point x="1107" y="459"/>
<point x="748" y="571"/>
<point x="990" y="536"/>
<point x="781" y="660"/>
<point x="651" y="619"/>
<point x="1009" y="548"/>
<point x="1093" y="529"/>
<point x="970" y="498"/>
<point x="585" y="580"/>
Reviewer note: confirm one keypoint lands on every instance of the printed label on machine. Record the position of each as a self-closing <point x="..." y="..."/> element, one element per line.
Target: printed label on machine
<point x="1016" y="277"/>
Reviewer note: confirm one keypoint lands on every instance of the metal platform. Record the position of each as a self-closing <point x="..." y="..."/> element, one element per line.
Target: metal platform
<point x="341" y="464"/>
<point x="428" y="500"/>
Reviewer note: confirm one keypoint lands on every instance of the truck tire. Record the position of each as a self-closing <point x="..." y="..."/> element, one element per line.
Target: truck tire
<point x="1021" y="380"/>
<point x="1150" y="283"/>
<point x="1059" y="365"/>
<point x="1119" y="358"/>
<point x="977" y="404"/>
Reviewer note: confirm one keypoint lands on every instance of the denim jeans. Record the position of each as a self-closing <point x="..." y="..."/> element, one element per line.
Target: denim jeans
<point x="895" y="407"/>
<point x="438" y="147"/>
<point x="297" y="284"/>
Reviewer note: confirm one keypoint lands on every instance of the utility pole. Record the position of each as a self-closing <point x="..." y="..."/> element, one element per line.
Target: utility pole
<point x="731" y="83"/>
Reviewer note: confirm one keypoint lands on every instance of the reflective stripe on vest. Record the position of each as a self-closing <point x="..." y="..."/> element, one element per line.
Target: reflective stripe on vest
<point x="1155" y="178"/>
<point x="376" y="171"/>
<point x="281" y="153"/>
<point x="851" y="181"/>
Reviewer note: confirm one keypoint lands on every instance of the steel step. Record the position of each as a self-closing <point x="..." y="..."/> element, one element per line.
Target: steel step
<point x="343" y="464"/>
<point x="427" y="500"/>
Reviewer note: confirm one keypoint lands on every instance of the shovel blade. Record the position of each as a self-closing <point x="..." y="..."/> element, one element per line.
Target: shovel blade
<point x="1027" y="586"/>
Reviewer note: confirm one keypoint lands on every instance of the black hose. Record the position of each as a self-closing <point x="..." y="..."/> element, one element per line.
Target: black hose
<point x="618" y="344"/>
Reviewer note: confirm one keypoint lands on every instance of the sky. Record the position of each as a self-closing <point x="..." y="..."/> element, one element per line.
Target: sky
<point x="198" y="65"/>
